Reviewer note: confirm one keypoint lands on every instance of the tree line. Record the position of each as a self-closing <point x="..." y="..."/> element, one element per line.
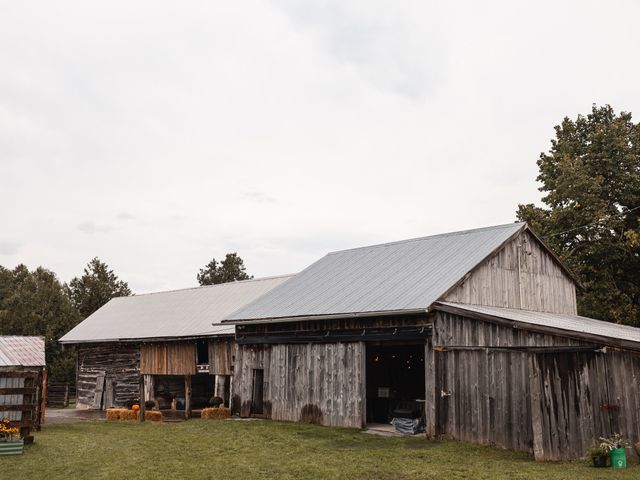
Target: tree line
<point x="36" y="302"/>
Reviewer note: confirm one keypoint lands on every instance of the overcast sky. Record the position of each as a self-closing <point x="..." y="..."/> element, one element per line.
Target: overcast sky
<point x="157" y="135"/>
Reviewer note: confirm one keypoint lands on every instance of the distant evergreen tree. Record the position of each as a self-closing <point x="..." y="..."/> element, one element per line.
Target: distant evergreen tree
<point x="96" y="287"/>
<point x="231" y="269"/>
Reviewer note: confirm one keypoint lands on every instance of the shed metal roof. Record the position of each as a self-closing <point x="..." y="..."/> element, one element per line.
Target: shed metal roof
<point x="17" y="351"/>
<point x="393" y="277"/>
<point x="567" y="324"/>
<point x="191" y="312"/>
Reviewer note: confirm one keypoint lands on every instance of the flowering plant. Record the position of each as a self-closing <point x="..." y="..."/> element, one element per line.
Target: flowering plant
<point x="614" y="442"/>
<point x="6" y="430"/>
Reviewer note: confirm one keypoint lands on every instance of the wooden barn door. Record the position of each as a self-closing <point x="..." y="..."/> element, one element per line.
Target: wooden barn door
<point x="97" y="396"/>
<point x="442" y="393"/>
<point x="257" y="396"/>
<point x="567" y="393"/>
<point x="109" y="392"/>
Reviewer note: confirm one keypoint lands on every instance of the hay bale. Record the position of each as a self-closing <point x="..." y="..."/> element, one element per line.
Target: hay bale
<point x="128" y="414"/>
<point x="113" y="414"/>
<point x="216" y="413"/>
<point x="152" y="415"/>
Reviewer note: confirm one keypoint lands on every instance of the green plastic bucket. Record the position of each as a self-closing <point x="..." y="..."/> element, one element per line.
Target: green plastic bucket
<point x="618" y="458"/>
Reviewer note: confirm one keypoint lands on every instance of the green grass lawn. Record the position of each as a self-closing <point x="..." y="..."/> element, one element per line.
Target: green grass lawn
<point x="201" y="449"/>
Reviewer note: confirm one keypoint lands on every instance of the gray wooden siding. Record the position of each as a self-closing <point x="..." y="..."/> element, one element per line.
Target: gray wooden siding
<point x="521" y="275"/>
<point x="317" y="383"/>
<point x="550" y="404"/>
<point x="109" y="366"/>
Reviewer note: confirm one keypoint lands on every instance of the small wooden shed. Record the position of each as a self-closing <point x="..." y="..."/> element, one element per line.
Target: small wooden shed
<point x="476" y="332"/>
<point x="168" y="347"/>
<point x="23" y="380"/>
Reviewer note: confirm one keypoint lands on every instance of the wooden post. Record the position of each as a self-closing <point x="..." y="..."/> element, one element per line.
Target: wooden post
<point x="149" y="387"/>
<point x="142" y="397"/>
<point x="362" y="396"/>
<point x="187" y="396"/>
<point x="430" y="389"/>
<point x="218" y="391"/>
<point x="43" y="402"/>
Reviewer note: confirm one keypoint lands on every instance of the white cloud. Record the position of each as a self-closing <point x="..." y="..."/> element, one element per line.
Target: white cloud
<point x="178" y="132"/>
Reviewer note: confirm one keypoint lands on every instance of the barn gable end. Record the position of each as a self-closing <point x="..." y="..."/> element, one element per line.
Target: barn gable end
<point x="522" y="274"/>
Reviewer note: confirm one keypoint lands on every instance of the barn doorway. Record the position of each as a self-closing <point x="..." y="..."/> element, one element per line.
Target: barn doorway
<point x="395" y="382"/>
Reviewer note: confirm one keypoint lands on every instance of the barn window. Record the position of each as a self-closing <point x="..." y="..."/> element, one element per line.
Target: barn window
<point x="202" y="347"/>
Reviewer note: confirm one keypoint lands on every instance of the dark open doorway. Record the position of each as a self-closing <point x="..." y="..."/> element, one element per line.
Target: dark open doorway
<point x="395" y="382"/>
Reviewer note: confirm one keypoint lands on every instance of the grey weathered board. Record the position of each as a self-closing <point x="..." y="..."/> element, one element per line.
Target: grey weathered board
<point x="521" y="275"/>
<point x="316" y="383"/>
<point x="548" y="403"/>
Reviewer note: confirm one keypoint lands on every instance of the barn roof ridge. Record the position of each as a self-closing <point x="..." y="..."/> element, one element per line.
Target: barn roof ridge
<point x="428" y="237"/>
<point x="198" y="287"/>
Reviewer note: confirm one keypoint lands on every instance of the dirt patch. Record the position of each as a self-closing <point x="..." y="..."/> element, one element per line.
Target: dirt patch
<point x="58" y="416"/>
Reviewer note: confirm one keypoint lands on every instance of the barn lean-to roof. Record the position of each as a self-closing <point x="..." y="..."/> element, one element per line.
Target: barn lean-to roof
<point x="574" y="326"/>
<point x="399" y="277"/>
<point x="175" y="314"/>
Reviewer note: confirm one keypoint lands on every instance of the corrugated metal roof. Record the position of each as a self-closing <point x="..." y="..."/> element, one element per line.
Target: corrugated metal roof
<point x="16" y="351"/>
<point x="399" y="276"/>
<point x="566" y="323"/>
<point x="190" y="312"/>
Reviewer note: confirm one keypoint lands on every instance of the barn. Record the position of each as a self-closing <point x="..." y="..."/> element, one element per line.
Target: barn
<point x="23" y="380"/>
<point x="168" y="347"/>
<point x="476" y="332"/>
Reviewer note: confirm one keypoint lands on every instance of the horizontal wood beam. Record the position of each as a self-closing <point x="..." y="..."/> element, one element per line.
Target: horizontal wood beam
<point x="17" y="408"/>
<point x="19" y="374"/>
<point x="521" y="349"/>
<point x="331" y="336"/>
<point x="18" y="391"/>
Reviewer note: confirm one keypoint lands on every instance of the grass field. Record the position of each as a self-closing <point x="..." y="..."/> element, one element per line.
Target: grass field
<point x="201" y="449"/>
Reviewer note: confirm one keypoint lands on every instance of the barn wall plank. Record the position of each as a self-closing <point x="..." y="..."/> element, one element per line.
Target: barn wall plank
<point x="549" y="404"/>
<point x="521" y="275"/>
<point x="221" y="354"/>
<point x="168" y="358"/>
<point x="315" y="383"/>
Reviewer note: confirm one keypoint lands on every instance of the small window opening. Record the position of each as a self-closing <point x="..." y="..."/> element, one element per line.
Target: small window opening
<point x="202" y="348"/>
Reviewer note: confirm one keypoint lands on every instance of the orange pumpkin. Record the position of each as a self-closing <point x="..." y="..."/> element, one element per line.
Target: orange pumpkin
<point x="135" y="407"/>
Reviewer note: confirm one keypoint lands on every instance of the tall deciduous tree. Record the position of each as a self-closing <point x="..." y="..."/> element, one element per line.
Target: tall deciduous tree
<point x="230" y="269"/>
<point x="96" y="287"/>
<point x="591" y="181"/>
<point x="36" y="303"/>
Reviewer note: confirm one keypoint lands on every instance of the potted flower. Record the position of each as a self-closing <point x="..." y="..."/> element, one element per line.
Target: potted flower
<point x="616" y="446"/>
<point x="599" y="456"/>
<point x="9" y="444"/>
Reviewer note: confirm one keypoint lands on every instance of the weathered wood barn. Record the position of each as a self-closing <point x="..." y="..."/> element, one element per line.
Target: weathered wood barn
<point x="170" y="344"/>
<point x="23" y="382"/>
<point x="475" y="331"/>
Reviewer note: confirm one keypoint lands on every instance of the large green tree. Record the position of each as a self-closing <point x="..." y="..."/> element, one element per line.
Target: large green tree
<point x="36" y="303"/>
<point x="231" y="269"/>
<point x="96" y="287"/>
<point x="591" y="181"/>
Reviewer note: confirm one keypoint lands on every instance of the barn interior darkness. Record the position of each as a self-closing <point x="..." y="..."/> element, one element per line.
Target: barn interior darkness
<point x="395" y="382"/>
<point x="170" y="391"/>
